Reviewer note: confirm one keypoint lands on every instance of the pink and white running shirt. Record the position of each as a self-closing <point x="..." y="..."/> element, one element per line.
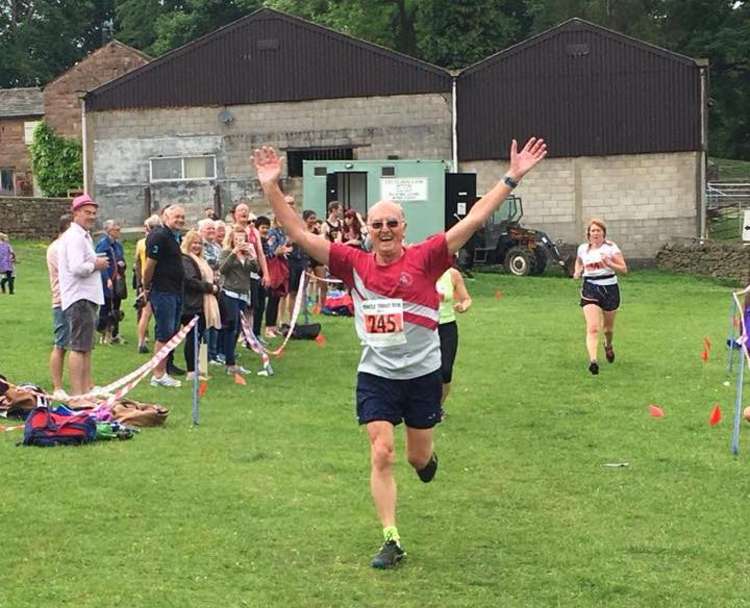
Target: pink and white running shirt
<point x="395" y="306"/>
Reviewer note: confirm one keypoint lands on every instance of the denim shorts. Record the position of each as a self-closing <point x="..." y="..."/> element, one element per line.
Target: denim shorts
<point x="61" y="328"/>
<point x="167" y="308"/>
<point x="416" y="402"/>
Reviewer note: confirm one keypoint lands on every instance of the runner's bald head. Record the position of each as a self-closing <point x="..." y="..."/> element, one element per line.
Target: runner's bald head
<point x="386" y="208"/>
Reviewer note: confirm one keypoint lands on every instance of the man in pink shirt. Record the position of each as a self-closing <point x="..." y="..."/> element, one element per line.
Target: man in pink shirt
<point x="59" y="322"/>
<point x="81" y="294"/>
<point x="396" y="316"/>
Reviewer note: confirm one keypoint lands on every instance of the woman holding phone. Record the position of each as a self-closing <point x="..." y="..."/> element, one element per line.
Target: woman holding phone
<point x="237" y="264"/>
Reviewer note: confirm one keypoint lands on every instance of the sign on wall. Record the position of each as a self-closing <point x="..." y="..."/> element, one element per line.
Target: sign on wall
<point x="746" y="227"/>
<point x="401" y="189"/>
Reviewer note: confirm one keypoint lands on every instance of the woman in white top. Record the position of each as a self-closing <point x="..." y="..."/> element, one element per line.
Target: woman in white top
<point x="597" y="262"/>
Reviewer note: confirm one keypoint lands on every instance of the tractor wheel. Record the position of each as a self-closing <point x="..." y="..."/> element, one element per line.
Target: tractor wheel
<point x="519" y="261"/>
<point x="540" y="261"/>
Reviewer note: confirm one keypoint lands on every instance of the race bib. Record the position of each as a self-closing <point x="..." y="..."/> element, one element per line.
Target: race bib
<point x="384" y="322"/>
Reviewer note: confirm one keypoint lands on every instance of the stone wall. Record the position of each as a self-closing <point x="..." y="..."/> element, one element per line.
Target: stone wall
<point x="645" y="199"/>
<point x="120" y="144"/>
<point x="62" y="105"/>
<point x="31" y="218"/>
<point x="707" y="258"/>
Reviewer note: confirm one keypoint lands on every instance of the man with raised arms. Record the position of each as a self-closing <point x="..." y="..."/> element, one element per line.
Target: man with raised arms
<point x="396" y="316"/>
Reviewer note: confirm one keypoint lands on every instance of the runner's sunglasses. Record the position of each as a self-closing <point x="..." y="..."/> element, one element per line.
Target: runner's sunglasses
<point x="378" y="224"/>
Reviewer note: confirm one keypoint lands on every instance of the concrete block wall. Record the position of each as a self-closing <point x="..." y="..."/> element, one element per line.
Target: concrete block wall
<point x="121" y="142"/>
<point x="645" y="199"/>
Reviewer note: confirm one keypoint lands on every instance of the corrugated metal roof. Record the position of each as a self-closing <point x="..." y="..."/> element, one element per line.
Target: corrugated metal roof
<point x="269" y="56"/>
<point x="586" y="90"/>
<point x="27" y="101"/>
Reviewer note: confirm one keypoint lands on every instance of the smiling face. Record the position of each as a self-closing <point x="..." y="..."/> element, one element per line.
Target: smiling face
<point x="241" y="214"/>
<point x="85" y="216"/>
<point x="196" y="247"/>
<point x="386" y="226"/>
<point x="174" y="218"/>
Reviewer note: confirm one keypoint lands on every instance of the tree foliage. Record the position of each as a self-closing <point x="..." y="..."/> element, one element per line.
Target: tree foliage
<point x="39" y="39"/>
<point x="56" y="161"/>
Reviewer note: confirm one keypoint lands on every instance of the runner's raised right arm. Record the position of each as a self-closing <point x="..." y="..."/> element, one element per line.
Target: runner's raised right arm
<point x="268" y="168"/>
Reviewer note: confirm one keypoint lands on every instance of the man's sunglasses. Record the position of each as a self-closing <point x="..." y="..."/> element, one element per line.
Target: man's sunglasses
<point x="378" y="224"/>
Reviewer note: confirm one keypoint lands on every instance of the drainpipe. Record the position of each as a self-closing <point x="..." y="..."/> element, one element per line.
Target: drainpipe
<point x="84" y="154"/>
<point x="703" y="65"/>
<point x="454" y="121"/>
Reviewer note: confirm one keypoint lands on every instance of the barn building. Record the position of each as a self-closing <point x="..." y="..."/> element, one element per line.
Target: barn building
<point x="623" y="120"/>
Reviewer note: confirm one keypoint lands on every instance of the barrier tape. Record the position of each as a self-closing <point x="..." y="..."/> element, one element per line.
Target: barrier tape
<point x="130" y="380"/>
<point x="317" y="278"/>
<point x="173" y="343"/>
<point x="252" y="342"/>
<point x="251" y="338"/>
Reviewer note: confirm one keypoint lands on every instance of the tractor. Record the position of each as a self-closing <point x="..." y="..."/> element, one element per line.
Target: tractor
<point x="503" y="240"/>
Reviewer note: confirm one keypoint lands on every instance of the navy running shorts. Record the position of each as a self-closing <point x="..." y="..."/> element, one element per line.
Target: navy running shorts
<point x="606" y="297"/>
<point x="416" y="401"/>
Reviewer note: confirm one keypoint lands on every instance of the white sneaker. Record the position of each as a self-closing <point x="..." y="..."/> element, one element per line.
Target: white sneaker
<point x="60" y="395"/>
<point x="237" y="369"/>
<point x="165" y="380"/>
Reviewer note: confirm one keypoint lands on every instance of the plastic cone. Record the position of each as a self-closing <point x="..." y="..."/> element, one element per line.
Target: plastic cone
<point x="715" y="415"/>
<point x="655" y="411"/>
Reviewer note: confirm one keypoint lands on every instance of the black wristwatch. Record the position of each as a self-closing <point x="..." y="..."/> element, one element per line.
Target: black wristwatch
<point x="510" y="182"/>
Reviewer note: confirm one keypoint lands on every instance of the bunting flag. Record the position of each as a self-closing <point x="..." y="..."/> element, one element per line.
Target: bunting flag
<point x="715" y="415"/>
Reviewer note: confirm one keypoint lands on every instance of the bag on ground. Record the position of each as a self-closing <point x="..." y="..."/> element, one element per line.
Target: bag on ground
<point x="45" y="428"/>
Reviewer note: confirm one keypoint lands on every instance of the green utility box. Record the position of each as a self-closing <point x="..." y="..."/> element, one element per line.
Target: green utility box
<point x="418" y="185"/>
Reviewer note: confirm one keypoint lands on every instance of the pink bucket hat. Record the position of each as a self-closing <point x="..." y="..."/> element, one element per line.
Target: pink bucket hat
<point x="82" y="201"/>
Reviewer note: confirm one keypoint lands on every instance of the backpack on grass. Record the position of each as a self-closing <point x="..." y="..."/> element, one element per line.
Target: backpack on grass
<point x="45" y="428"/>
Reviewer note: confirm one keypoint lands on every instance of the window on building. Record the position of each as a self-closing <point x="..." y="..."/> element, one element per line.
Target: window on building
<point x="183" y="168"/>
<point x="6" y="181"/>
<point x="294" y="158"/>
<point x="28" y="131"/>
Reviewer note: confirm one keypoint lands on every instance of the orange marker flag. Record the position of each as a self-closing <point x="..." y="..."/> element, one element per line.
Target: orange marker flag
<point x="202" y="388"/>
<point x="707" y="344"/>
<point x="498" y="294"/>
<point x="321" y="340"/>
<point x="316" y="310"/>
<point x="238" y="379"/>
<point x="704" y="356"/>
<point x="715" y="415"/>
<point x="655" y="411"/>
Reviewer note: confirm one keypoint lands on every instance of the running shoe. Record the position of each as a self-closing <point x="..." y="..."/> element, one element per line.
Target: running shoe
<point x="428" y="472"/>
<point x="118" y="340"/>
<point x="237" y="369"/>
<point x="610" y="353"/>
<point x="390" y="555"/>
<point x="166" y="380"/>
<point x="594" y="368"/>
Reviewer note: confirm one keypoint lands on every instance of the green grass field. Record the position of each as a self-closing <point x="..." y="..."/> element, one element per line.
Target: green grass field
<point x="267" y="504"/>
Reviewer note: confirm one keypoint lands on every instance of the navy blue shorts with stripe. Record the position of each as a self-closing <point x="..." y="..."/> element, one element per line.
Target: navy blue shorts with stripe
<point x="416" y="401"/>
